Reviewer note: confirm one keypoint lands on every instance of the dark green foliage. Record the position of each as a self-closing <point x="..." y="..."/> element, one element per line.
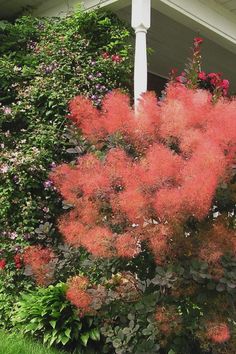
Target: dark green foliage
<point x="56" y="60"/>
<point x="43" y="64"/>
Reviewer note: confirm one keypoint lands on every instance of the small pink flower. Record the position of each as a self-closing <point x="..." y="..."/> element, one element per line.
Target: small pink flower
<point x="202" y="75"/>
<point x="116" y="58"/>
<point x="225" y="84"/>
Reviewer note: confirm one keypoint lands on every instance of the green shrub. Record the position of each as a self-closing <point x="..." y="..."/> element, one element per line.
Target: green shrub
<point x="43" y="64"/>
<point x="57" y="59"/>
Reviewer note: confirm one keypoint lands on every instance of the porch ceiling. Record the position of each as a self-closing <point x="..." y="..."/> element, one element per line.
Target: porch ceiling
<point x="230" y="5"/>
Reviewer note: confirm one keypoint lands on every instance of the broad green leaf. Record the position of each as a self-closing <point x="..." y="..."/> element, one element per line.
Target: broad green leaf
<point x="84" y="338"/>
<point x="64" y="340"/>
<point x="94" y="334"/>
<point x="53" y="324"/>
<point x="68" y="332"/>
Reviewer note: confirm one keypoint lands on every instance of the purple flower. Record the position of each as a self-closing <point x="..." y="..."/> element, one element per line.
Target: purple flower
<point x="90" y="77"/>
<point x="48" y="69"/>
<point x="48" y="184"/>
<point x="16" y="179"/>
<point x="93" y="63"/>
<point x="94" y="97"/>
<point x="31" y="45"/>
<point x="45" y="209"/>
<point x="52" y="165"/>
<point x="99" y="74"/>
<point x="98" y="86"/>
<point x="27" y="236"/>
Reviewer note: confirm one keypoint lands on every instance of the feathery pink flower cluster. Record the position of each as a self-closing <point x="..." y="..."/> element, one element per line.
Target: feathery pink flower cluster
<point x="41" y="262"/>
<point x="184" y="148"/>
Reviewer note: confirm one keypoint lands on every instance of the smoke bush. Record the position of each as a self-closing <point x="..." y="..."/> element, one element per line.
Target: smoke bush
<point x="183" y="149"/>
<point x="161" y="182"/>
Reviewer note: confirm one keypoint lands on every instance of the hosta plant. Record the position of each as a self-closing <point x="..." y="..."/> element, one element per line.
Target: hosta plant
<point x="45" y="313"/>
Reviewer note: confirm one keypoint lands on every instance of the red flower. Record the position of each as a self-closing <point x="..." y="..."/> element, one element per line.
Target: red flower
<point x="215" y="79"/>
<point x="202" y="75"/>
<point x="198" y="40"/>
<point x="116" y="58"/>
<point x="17" y="260"/>
<point x="2" y="263"/>
<point x="105" y="55"/>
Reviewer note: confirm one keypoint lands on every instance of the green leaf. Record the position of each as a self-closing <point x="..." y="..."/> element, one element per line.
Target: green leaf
<point x="64" y="340"/>
<point x="55" y="314"/>
<point x="46" y="337"/>
<point x="52" y="340"/>
<point x="84" y="338"/>
<point x="117" y="343"/>
<point x="53" y="324"/>
<point x="68" y="332"/>
<point x="95" y="334"/>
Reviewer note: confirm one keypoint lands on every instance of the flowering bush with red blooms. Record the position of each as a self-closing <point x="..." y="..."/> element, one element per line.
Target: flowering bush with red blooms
<point x="157" y="188"/>
<point x="194" y="77"/>
<point x="41" y="262"/>
<point x="160" y="185"/>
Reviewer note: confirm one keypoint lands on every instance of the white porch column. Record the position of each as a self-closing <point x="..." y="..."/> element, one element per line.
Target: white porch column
<point x="141" y="15"/>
